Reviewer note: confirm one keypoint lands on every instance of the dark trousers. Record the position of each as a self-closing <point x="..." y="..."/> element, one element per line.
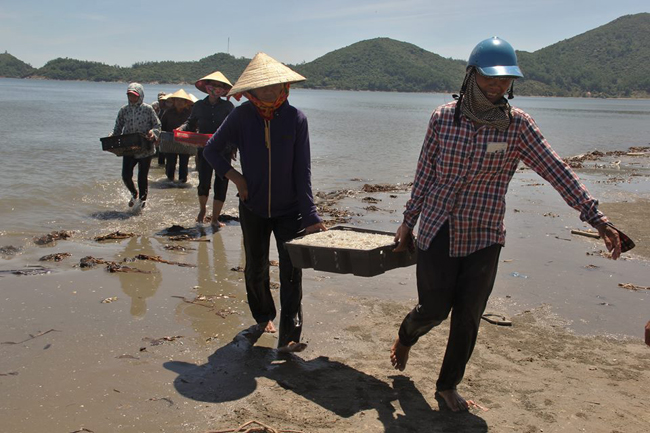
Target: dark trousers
<point x="461" y="285"/>
<point x="128" y="164"/>
<point x="205" y="178"/>
<point x="257" y="235"/>
<point x="170" y="166"/>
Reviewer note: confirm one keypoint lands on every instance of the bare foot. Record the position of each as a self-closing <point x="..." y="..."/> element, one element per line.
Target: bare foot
<point x="268" y="327"/>
<point x="292" y="347"/>
<point x="216" y="223"/>
<point x="399" y="355"/>
<point x="201" y="216"/>
<point x="455" y="402"/>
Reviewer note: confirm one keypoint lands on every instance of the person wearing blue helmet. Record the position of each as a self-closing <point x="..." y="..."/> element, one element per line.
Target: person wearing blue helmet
<point x="472" y="149"/>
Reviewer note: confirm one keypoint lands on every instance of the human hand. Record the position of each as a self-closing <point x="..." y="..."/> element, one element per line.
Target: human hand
<point x="611" y="238"/>
<point x="240" y="182"/>
<point x="404" y="239"/>
<point x="314" y="228"/>
<point x="150" y="135"/>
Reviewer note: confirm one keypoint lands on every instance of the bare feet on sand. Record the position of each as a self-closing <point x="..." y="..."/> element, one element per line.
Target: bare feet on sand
<point x="456" y="403"/>
<point x="216" y="223"/>
<point x="399" y="354"/>
<point x="201" y="216"/>
<point x="292" y="347"/>
<point x="268" y="327"/>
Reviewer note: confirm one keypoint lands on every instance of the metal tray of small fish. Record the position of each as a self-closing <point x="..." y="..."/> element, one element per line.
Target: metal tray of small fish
<point x="363" y="263"/>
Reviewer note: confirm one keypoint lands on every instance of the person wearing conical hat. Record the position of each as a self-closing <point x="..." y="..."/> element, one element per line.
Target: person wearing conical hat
<point x="172" y="119"/>
<point x="274" y="188"/>
<point x="206" y="117"/>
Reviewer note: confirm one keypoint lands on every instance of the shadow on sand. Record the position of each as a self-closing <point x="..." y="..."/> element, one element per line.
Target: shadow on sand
<point x="231" y="374"/>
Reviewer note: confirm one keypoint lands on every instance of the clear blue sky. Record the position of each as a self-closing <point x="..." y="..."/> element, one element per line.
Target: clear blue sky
<point x="121" y="32"/>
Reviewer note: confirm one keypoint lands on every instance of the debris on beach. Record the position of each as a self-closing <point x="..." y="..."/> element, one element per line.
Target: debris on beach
<point x="178" y="248"/>
<point x="109" y="300"/>
<point x="383" y="187"/>
<point x="335" y="195"/>
<point x="115" y="236"/>
<point x="187" y="238"/>
<point x="632" y="287"/>
<point x="370" y="200"/>
<point x="160" y="260"/>
<point x="28" y="270"/>
<point x="578" y="161"/>
<point x="167" y="399"/>
<point x="11" y="373"/>
<point x="159" y="341"/>
<point x="229" y="215"/>
<point x="274" y="285"/>
<point x="31" y="337"/>
<point x="586" y="233"/>
<point x="116" y="267"/>
<point x="57" y="257"/>
<point x="237" y="269"/>
<point x="83" y="430"/>
<point x="259" y="428"/>
<point x="274" y="263"/>
<point x="51" y="237"/>
<point x="10" y="250"/>
<point x="90" y="262"/>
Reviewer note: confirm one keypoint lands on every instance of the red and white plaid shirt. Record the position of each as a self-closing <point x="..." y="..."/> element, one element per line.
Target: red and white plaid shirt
<point x="463" y="175"/>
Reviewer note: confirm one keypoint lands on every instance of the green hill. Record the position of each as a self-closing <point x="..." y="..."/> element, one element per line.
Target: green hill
<point x="11" y="67"/>
<point x="609" y="61"/>
<point x="147" y="72"/>
<point x="383" y="64"/>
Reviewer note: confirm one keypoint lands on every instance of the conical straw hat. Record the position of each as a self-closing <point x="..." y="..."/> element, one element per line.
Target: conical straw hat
<point x="180" y="94"/>
<point x="193" y="98"/>
<point x="215" y="76"/>
<point x="263" y="71"/>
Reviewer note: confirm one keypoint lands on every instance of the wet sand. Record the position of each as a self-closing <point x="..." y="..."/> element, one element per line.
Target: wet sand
<point x="168" y="354"/>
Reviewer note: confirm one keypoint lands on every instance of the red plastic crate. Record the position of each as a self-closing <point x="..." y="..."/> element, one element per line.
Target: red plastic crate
<point x="191" y="138"/>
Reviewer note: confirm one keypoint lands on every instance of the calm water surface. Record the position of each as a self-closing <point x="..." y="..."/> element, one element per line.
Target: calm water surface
<point x="55" y="174"/>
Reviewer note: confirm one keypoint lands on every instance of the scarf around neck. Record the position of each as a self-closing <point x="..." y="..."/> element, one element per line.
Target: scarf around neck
<point x="266" y="109"/>
<point x="476" y="106"/>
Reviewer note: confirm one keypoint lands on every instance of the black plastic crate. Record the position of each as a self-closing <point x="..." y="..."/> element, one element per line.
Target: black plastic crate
<point x="126" y="145"/>
<point x="363" y="263"/>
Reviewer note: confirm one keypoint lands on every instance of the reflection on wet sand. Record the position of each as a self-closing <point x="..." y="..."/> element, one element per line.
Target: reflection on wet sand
<point x="140" y="286"/>
<point x="219" y="293"/>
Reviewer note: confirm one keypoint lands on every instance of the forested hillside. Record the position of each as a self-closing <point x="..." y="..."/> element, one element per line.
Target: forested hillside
<point x="610" y="61"/>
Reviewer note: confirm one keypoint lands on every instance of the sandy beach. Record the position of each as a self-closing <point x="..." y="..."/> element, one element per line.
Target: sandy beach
<point x="167" y="349"/>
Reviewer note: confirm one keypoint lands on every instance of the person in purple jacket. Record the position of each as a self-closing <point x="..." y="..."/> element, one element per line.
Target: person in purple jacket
<point x="274" y="188"/>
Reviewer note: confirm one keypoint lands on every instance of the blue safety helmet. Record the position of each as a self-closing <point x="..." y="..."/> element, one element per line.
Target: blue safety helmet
<point x="495" y="57"/>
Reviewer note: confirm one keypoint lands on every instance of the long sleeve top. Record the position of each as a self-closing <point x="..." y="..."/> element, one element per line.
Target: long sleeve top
<point x="463" y="175"/>
<point x="278" y="177"/>
<point x="206" y="118"/>
<point x="138" y="118"/>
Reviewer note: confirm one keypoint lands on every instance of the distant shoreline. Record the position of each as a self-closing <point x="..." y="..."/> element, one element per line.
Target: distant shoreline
<point x="41" y="78"/>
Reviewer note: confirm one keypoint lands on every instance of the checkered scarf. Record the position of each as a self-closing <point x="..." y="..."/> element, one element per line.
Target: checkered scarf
<point x="478" y="108"/>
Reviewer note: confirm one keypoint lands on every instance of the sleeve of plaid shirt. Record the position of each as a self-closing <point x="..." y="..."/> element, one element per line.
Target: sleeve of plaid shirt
<point x="424" y="175"/>
<point x="538" y="155"/>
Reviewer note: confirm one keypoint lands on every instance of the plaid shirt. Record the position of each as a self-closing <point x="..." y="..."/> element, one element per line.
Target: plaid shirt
<point x="463" y="175"/>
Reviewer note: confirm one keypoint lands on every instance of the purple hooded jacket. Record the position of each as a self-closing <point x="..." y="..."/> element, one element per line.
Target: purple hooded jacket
<point x="278" y="178"/>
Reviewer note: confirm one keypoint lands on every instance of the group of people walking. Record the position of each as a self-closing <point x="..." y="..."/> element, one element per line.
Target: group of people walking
<point x="470" y="153"/>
